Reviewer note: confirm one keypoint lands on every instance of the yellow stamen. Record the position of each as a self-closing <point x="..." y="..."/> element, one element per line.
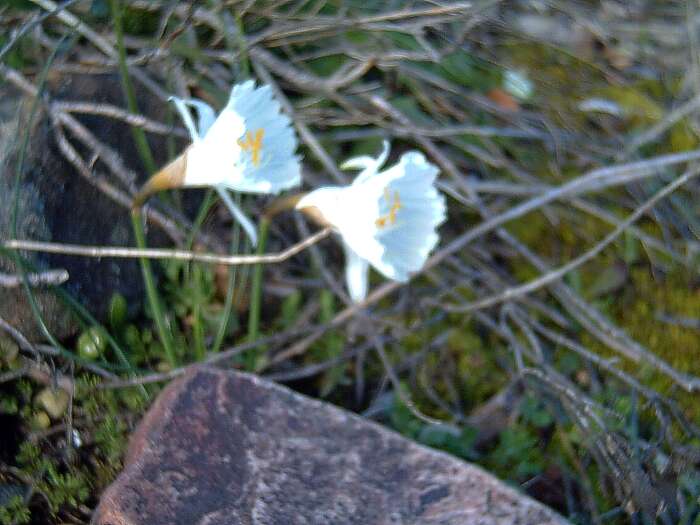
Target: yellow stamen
<point x="253" y="143"/>
<point x="389" y="217"/>
<point x="395" y="207"/>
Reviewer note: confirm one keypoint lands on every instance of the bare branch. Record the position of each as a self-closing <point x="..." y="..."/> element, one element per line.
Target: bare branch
<point x="49" y="277"/>
<point x="554" y="275"/>
<point x="118" y="113"/>
<point x="154" y="253"/>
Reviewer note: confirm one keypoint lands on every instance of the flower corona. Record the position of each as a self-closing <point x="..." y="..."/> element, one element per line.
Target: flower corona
<point x="249" y="148"/>
<point x="386" y="219"/>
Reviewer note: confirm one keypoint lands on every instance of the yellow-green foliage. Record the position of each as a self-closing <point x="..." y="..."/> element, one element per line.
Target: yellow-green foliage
<point x="480" y="377"/>
<point x="564" y="78"/>
<point x="69" y="477"/>
<point x="558" y="243"/>
<point x="682" y="137"/>
<point x="675" y="295"/>
<point x="636" y="105"/>
<point x="642" y="295"/>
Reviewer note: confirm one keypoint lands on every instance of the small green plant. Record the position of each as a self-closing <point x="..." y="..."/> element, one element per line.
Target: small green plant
<point x="457" y="441"/>
<point x="14" y="511"/>
<point x="61" y="483"/>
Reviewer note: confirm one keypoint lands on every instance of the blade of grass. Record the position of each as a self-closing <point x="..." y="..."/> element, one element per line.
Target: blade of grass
<point x="230" y="292"/>
<point x="152" y="293"/>
<point x="256" y="285"/>
<point x="243" y="58"/>
<point x="235" y="41"/>
<point x="36" y="312"/>
<point x="150" y="166"/>
<point x="198" y="332"/>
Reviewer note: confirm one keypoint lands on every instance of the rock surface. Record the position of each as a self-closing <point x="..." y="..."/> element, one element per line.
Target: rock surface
<point x="57" y="204"/>
<point x="230" y="448"/>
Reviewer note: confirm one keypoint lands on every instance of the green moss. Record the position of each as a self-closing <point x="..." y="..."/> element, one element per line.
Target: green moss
<point x="479" y="375"/>
<point x="139" y="22"/>
<point x="682" y="137"/>
<point x="674" y="295"/>
<point x="14" y="511"/>
<point x="623" y="287"/>
<point x="636" y="105"/>
<point x="562" y="77"/>
<point x="67" y="478"/>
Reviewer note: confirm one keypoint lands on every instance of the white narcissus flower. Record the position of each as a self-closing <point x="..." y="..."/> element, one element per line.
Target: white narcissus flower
<point x="386" y="219"/>
<point x="249" y="148"/>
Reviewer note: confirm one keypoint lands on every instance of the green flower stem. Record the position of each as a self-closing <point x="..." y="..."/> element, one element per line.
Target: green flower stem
<point x="230" y="292"/>
<point x="152" y="293"/>
<point x="204" y="208"/>
<point x="149" y="163"/>
<point x="277" y="207"/>
<point x="256" y="285"/>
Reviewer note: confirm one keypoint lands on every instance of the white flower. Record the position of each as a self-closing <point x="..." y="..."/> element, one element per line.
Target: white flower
<point x="249" y="147"/>
<point x="77" y="440"/>
<point x="517" y="84"/>
<point x="386" y="219"/>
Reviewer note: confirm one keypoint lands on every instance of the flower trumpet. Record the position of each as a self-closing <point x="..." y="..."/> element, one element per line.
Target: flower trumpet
<point x="385" y="219"/>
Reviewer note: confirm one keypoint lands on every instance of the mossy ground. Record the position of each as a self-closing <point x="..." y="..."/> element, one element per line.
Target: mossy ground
<point x="541" y="448"/>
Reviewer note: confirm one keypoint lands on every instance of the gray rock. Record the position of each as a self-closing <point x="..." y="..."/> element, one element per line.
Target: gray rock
<point x="230" y="448"/>
<point x="32" y="222"/>
<point x="57" y="204"/>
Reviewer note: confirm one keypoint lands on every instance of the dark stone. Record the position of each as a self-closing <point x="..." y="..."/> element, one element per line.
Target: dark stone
<point x="230" y="448"/>
<point x="57" y="204"/>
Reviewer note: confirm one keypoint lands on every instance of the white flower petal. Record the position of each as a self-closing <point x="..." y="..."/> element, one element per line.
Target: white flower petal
<point x="356" y="274"/>
<point x="250" y="147"/>
<point x="205" y="113"/>
<point x="181" y="107"/>
<point x="214" y="159"/>
<point x="370" y="166"/>
<point x="388" y="219"/>
<point x="238" y="214"/>
<point x="411" y="237"/>
<point x="275" y="167"/>
<point x="323" y="198"/>
<point x="360" y="163"/>
<point x="601" y="105"/>
<point x="517" y="84"/>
